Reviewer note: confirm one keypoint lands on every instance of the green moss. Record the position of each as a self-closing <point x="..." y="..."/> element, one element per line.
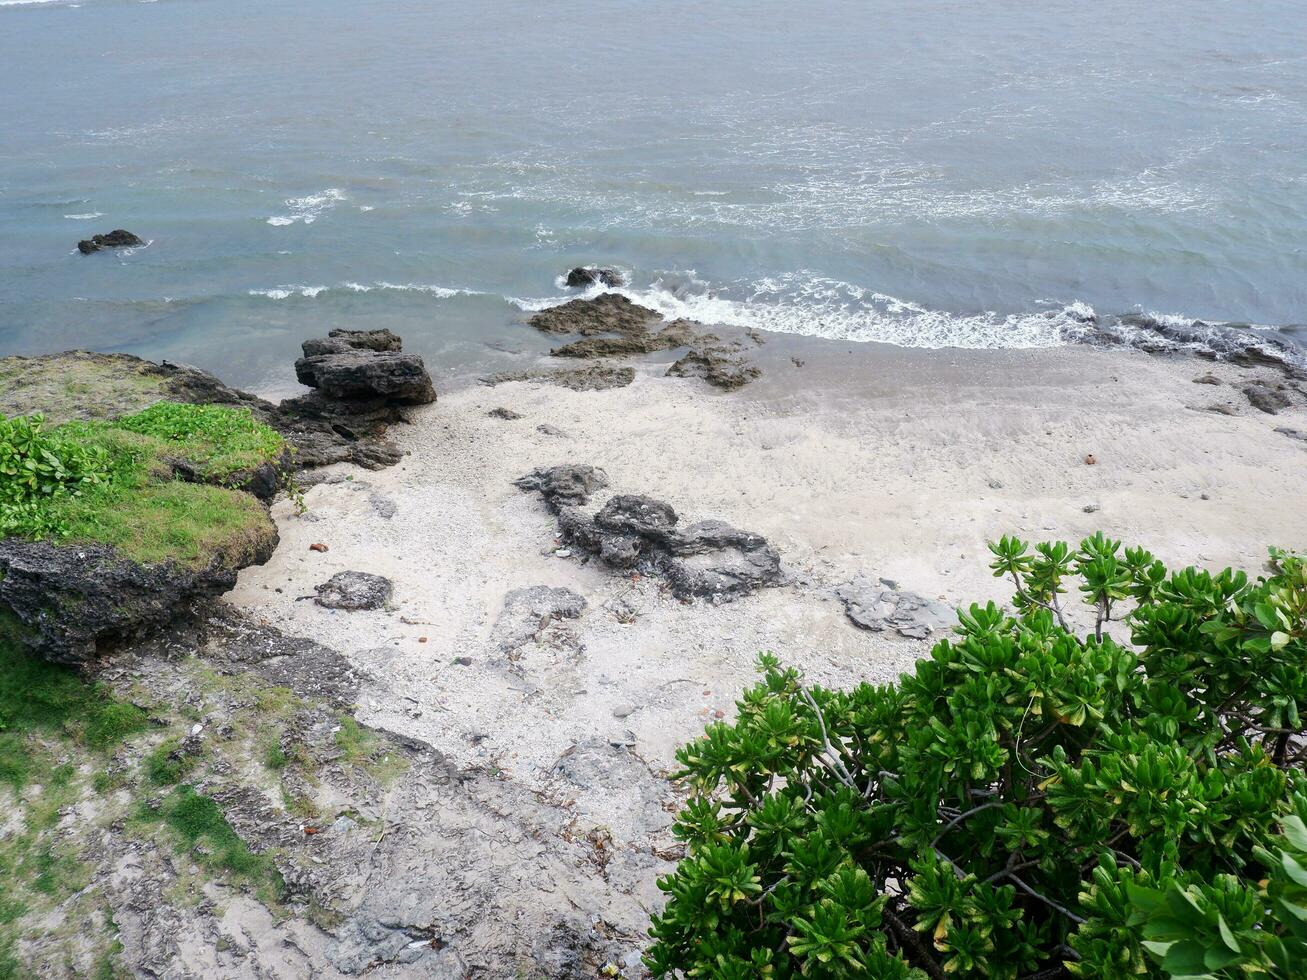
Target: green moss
<point x="165" y="766"/>
<point x="200" y="828"/>
<point x="360" y="747"/>
<point x="38" y="697"/>
<point x="78" y="385"/>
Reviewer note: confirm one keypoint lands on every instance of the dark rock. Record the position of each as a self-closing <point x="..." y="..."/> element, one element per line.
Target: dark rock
<point x="716" y="367"/>
<point x="678" y="333"/>
<point x="588" y="276"/>
<point x="354" y="590"/>
<point x="1265" y="398"/>
<point x="592" y="377"/>
<point x="115" y="239"/>
<point x="504" y="413"/>
<point x="69" y="599"/>
<point x="635" y="515"/>
<point x="710" y="559"/>
<point x="1207" y="379"/>
<point x="545" y="429"/>
<point x="565" y="484"/>
<point x="875" y="607"/>
<point x="360" y="373"/>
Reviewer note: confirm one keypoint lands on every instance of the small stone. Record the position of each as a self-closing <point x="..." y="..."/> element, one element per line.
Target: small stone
<point x="622" y="710"/>
<point x="622" y="740"/>
<point x="504" y="413"/>
<point x="719" y="713"/>
<point x="382" y="505"/>
<point x="463" y="661"/>
<point x="1203" y="496"/>
<point x="318" y="546"/>
<point x="422" y="639"/>
<point x="1090" y="460"/>
<point x="563" y="553"/>
<point x="354" y="590"/>
<point x="1207" y="379"/>
<point x="544" y="428"/>
<point x="995" y="484"/>
<point x="1092" y="508"/>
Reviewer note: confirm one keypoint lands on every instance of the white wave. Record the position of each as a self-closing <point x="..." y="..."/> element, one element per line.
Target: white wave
<point x="311" y="292"/>
<point x="24" y="3"/>
<point x="816" y="306"/>
<point x="285" y="292"/>
<point x="83" y="217"/>
<point x="366" y="207"/>
<point x="306" y="210"/>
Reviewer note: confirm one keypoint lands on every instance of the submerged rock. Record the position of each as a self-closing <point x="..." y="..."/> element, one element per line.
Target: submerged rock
<point x="354" y="590"/>
<point x="609" y="313"/>
<point x="589" y="275"/>
<point x="876" y="607"/>
<point x="68" y="599"/>
<point x="118" y="238"/>
<point x="710" y="559"/>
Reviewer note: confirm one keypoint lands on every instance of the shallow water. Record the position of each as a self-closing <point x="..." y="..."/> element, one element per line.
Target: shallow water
<point x="938" y="174"/>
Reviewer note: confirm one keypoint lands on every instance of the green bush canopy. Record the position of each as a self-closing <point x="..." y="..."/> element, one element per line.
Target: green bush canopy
<point x="1028" y="803"/>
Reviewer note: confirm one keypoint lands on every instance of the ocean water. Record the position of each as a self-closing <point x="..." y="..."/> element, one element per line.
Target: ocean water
<point x="940" y="174"/>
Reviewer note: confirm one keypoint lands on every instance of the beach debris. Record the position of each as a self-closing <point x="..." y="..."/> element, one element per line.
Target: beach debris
<point x="1265" y="398"/>
<point x="118" y="238"/>
<point x="319" y="547"/>
<point x="584" y="275"/>
<point x="354" y="590"/>
<point x="1090" y="459"/>
<point x="504" y="413"/>
<point x="872" y="606"/>
<point x="710" y="559"/>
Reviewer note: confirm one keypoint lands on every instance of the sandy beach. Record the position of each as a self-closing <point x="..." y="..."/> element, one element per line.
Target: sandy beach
<point x="878" y="461"/>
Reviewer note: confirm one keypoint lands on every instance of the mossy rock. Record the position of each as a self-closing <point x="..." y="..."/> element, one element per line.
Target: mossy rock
<point x="126" y="519"/>
<point x="80" y="385"/>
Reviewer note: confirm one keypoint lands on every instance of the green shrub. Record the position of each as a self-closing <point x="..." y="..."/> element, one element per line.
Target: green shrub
<point x="37" y="465"/>
<point x="1027" y="803"/>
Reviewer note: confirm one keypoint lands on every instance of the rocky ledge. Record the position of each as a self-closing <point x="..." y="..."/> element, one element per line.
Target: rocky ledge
<point x="708" y="560"/>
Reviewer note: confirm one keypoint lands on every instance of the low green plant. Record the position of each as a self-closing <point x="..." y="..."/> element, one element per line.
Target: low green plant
<point x="1029" y="802"/>
<point x="218" y="440"/>
<point x="117" y="482"/>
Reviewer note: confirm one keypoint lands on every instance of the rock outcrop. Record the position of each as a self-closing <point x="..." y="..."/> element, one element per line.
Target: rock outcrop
<point x="118" y="238"/>
<point x="877" y="607"/>
<point x="611" y="326"/>
<point x="583" y="276"/>
<point x="66" y="600"/>
<point x="364" y="364"/>
<point x="709" y="560"/>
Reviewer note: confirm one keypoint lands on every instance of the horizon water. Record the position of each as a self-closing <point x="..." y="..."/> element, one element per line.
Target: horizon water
<point x="940" y="175"/>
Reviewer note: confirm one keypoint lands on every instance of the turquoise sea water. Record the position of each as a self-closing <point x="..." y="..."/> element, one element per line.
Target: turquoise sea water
<point x="933" y="174"/>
